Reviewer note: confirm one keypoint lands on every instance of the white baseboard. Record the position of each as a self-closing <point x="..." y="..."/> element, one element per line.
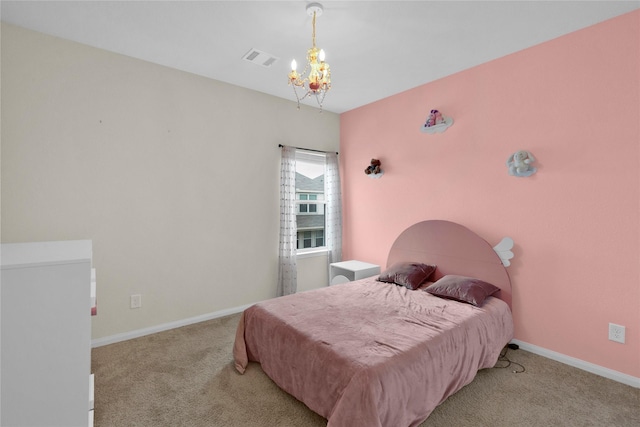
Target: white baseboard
<point x="99" y="342"/>
<point x="580" y="364"/>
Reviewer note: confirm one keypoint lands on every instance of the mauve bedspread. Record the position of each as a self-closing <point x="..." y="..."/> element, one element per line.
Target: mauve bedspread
<point x="368" y="353"/>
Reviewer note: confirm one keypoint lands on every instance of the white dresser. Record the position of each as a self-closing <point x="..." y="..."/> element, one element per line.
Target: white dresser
<point x="45" y="321"/>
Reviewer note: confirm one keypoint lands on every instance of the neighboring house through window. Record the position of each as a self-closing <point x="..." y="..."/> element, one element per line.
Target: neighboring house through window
<point x="310" y="168"/>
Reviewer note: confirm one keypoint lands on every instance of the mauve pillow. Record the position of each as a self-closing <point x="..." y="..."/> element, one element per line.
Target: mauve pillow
<point x="464" y="289"/>
<point x="408" y="274"/>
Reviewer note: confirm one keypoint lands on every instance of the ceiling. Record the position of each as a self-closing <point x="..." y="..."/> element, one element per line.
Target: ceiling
<point x="375" y="48"/>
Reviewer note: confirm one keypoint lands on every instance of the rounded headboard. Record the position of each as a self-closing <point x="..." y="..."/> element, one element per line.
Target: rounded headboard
<point x="455" y="250"/>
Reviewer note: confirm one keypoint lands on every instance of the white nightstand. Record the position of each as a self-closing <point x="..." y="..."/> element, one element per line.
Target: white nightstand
<point x="347" y="271"/>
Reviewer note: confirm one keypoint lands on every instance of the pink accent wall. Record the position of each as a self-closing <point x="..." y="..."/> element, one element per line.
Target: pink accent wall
<point x="574" y="102"/>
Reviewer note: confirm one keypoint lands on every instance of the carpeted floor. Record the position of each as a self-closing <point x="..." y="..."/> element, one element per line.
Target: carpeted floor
<point x="185" y="377"/>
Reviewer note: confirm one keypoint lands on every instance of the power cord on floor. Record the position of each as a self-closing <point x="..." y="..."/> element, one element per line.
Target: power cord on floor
<point x="504" y="362"/>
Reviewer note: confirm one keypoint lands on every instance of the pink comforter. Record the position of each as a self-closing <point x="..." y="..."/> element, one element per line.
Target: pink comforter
<point x="368" y="353"/>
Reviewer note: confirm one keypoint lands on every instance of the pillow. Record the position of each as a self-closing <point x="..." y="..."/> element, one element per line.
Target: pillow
<point x="408" y="274"/>
<point x="463" y="289"/>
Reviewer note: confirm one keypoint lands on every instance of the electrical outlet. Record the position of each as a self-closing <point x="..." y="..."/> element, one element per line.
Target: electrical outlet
<point x="136" y="301"/>
<point x="616" y="333"/>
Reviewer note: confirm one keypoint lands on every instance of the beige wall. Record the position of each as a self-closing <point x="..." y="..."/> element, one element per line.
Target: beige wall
<point x="313" y="272"/>
<point x="173" y="176"/>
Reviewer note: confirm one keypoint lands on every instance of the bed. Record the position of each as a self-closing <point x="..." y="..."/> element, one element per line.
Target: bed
<point x="372" y="353"/>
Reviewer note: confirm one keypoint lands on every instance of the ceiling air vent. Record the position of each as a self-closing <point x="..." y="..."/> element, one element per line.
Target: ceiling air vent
<point x="259" y="58"/>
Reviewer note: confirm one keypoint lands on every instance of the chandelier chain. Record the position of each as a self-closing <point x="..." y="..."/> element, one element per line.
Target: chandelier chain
<point x="313" y="33"/>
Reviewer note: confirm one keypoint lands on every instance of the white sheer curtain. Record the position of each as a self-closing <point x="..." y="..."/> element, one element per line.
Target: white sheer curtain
<point x="287" y="268"/>
<point x="333" y="209"/>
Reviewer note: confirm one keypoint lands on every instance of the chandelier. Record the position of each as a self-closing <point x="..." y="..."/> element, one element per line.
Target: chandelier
<point x="318" y="82"/>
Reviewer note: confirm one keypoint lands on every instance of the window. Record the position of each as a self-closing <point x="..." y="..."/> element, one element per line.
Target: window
<point x="310" y="168"/>
<point x="307" y="207"/>
<point x="306" y="239"/>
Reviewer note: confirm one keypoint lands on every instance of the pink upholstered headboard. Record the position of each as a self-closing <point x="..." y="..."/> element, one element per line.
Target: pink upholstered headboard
<point x="455" y="250"/>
